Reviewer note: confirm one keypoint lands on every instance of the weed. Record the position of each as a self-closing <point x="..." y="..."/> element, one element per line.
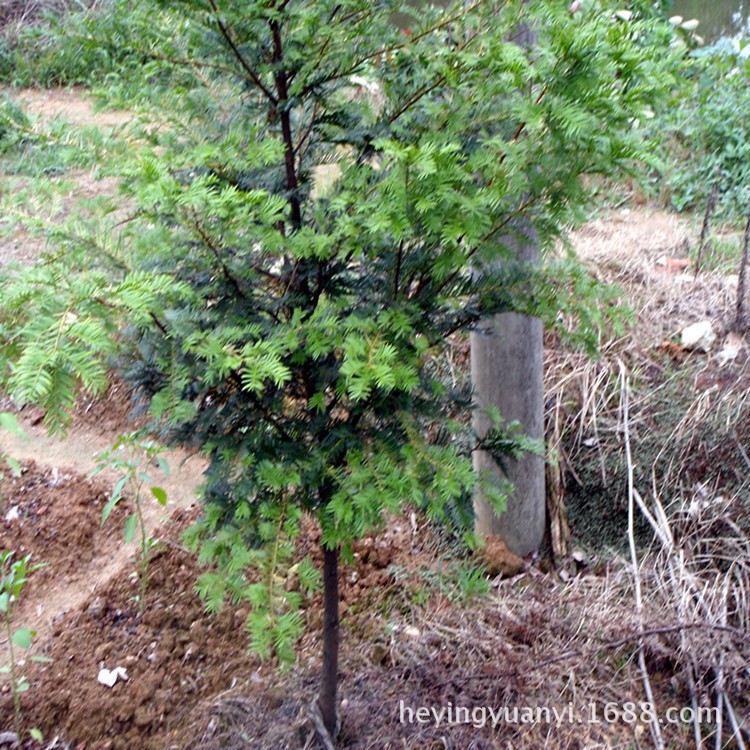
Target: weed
<point x="34" y="148"/>
<point x="10" y="423"/>
<point x="458" y="580"/>
<point x="723" y="254"/>
<point x="14" y="577"/>
<point x="135" y="458"/>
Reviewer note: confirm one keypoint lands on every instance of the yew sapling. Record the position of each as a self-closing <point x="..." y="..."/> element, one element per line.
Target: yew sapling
<point x="287" y="318"/>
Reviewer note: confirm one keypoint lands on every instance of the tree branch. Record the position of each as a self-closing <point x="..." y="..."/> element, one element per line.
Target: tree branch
<point x="282" y="91"/>
<point x="240" y="58"/>
<point x="212" y="247"/>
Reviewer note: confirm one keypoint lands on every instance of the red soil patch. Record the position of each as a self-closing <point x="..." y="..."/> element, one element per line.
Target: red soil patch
<point x="56" y="516"/>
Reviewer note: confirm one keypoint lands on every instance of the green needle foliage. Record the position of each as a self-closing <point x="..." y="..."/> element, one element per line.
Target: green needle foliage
<point x="335" y="199"/>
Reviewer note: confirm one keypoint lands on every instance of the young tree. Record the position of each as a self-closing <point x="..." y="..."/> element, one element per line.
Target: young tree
<point x="291" y="326"/>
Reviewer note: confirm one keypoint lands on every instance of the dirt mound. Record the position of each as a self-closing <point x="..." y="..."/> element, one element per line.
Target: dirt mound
<point x="109" y="414"/>
<point x="179" y="659"/>
<point x="56" y="516"/>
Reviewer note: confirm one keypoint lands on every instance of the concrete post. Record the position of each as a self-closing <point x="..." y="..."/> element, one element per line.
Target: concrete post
<point x="507" y="373"/>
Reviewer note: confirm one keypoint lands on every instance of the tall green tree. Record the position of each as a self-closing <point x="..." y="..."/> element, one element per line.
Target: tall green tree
<point x="291" y="325"/>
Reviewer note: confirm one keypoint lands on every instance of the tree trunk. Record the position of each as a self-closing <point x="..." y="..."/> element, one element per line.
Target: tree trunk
<point x="330" y="668"/>
<point x="740" y="319"/>
<point x="507" y="373"/>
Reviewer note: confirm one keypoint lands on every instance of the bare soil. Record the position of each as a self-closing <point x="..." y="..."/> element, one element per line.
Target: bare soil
<point x="69" y="104"/>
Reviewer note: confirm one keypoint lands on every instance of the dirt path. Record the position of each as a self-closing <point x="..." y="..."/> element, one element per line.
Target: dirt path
<point x="73" y="187"/>
<point x="72" y="105"/>
<point x="75" y="455"/>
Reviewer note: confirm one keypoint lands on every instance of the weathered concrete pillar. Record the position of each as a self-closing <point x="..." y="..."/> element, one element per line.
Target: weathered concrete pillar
<point x="507" y="373"/>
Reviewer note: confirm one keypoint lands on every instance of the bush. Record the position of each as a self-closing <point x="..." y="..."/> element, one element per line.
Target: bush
<point x="706" y="132"/>
<point x="290" y="329"/>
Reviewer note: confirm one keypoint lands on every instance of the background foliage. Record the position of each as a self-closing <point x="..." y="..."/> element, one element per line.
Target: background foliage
<point x="706" y="131"/>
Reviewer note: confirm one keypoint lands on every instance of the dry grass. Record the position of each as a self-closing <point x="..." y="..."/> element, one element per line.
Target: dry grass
<point x="17" y="13"/>
<point x="538" y="642"/>
<point x="681" y="399"/>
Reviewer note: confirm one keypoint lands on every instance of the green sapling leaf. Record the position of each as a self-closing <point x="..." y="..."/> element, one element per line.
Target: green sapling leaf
<point x="109" y="507"/>
<point x="15" y="466"/>
<point x="160" y="495"/>
<point x="9" y="422"/>
<point x="23" y="637"/>
<point x="130" y="525"/>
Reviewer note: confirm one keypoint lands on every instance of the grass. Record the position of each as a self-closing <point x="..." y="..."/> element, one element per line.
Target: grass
<point x="723" y="253"/>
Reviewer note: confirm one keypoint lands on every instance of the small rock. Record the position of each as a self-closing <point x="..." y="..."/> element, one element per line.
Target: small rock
<point x="699" y="336"/>
<point x="143" y="716"/>
<point x="96" y="609"/>
<point x="578" y="556"/>
<point x="103" y="651"/>
<point x="108" y="677"/>
<point x="55" y="479"/>
<point x="36" y="416"/>
<point x="8" y="739"/>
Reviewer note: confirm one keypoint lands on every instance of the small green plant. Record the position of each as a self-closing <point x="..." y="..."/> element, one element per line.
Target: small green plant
<point x="470" y="582"/>
<point x="37" y="147"/>
<point x="14" y="577"/>
<point x="460" y="581"/>
<point x="10" y="423"/>
<point x="135" y="458"/>
<point x="723" y="253"/>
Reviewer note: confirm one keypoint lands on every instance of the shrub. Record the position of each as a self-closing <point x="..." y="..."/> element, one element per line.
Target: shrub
<point x="68" y="43"/>
<point x="706" y="132"/>
<point x="290" y="328"/>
